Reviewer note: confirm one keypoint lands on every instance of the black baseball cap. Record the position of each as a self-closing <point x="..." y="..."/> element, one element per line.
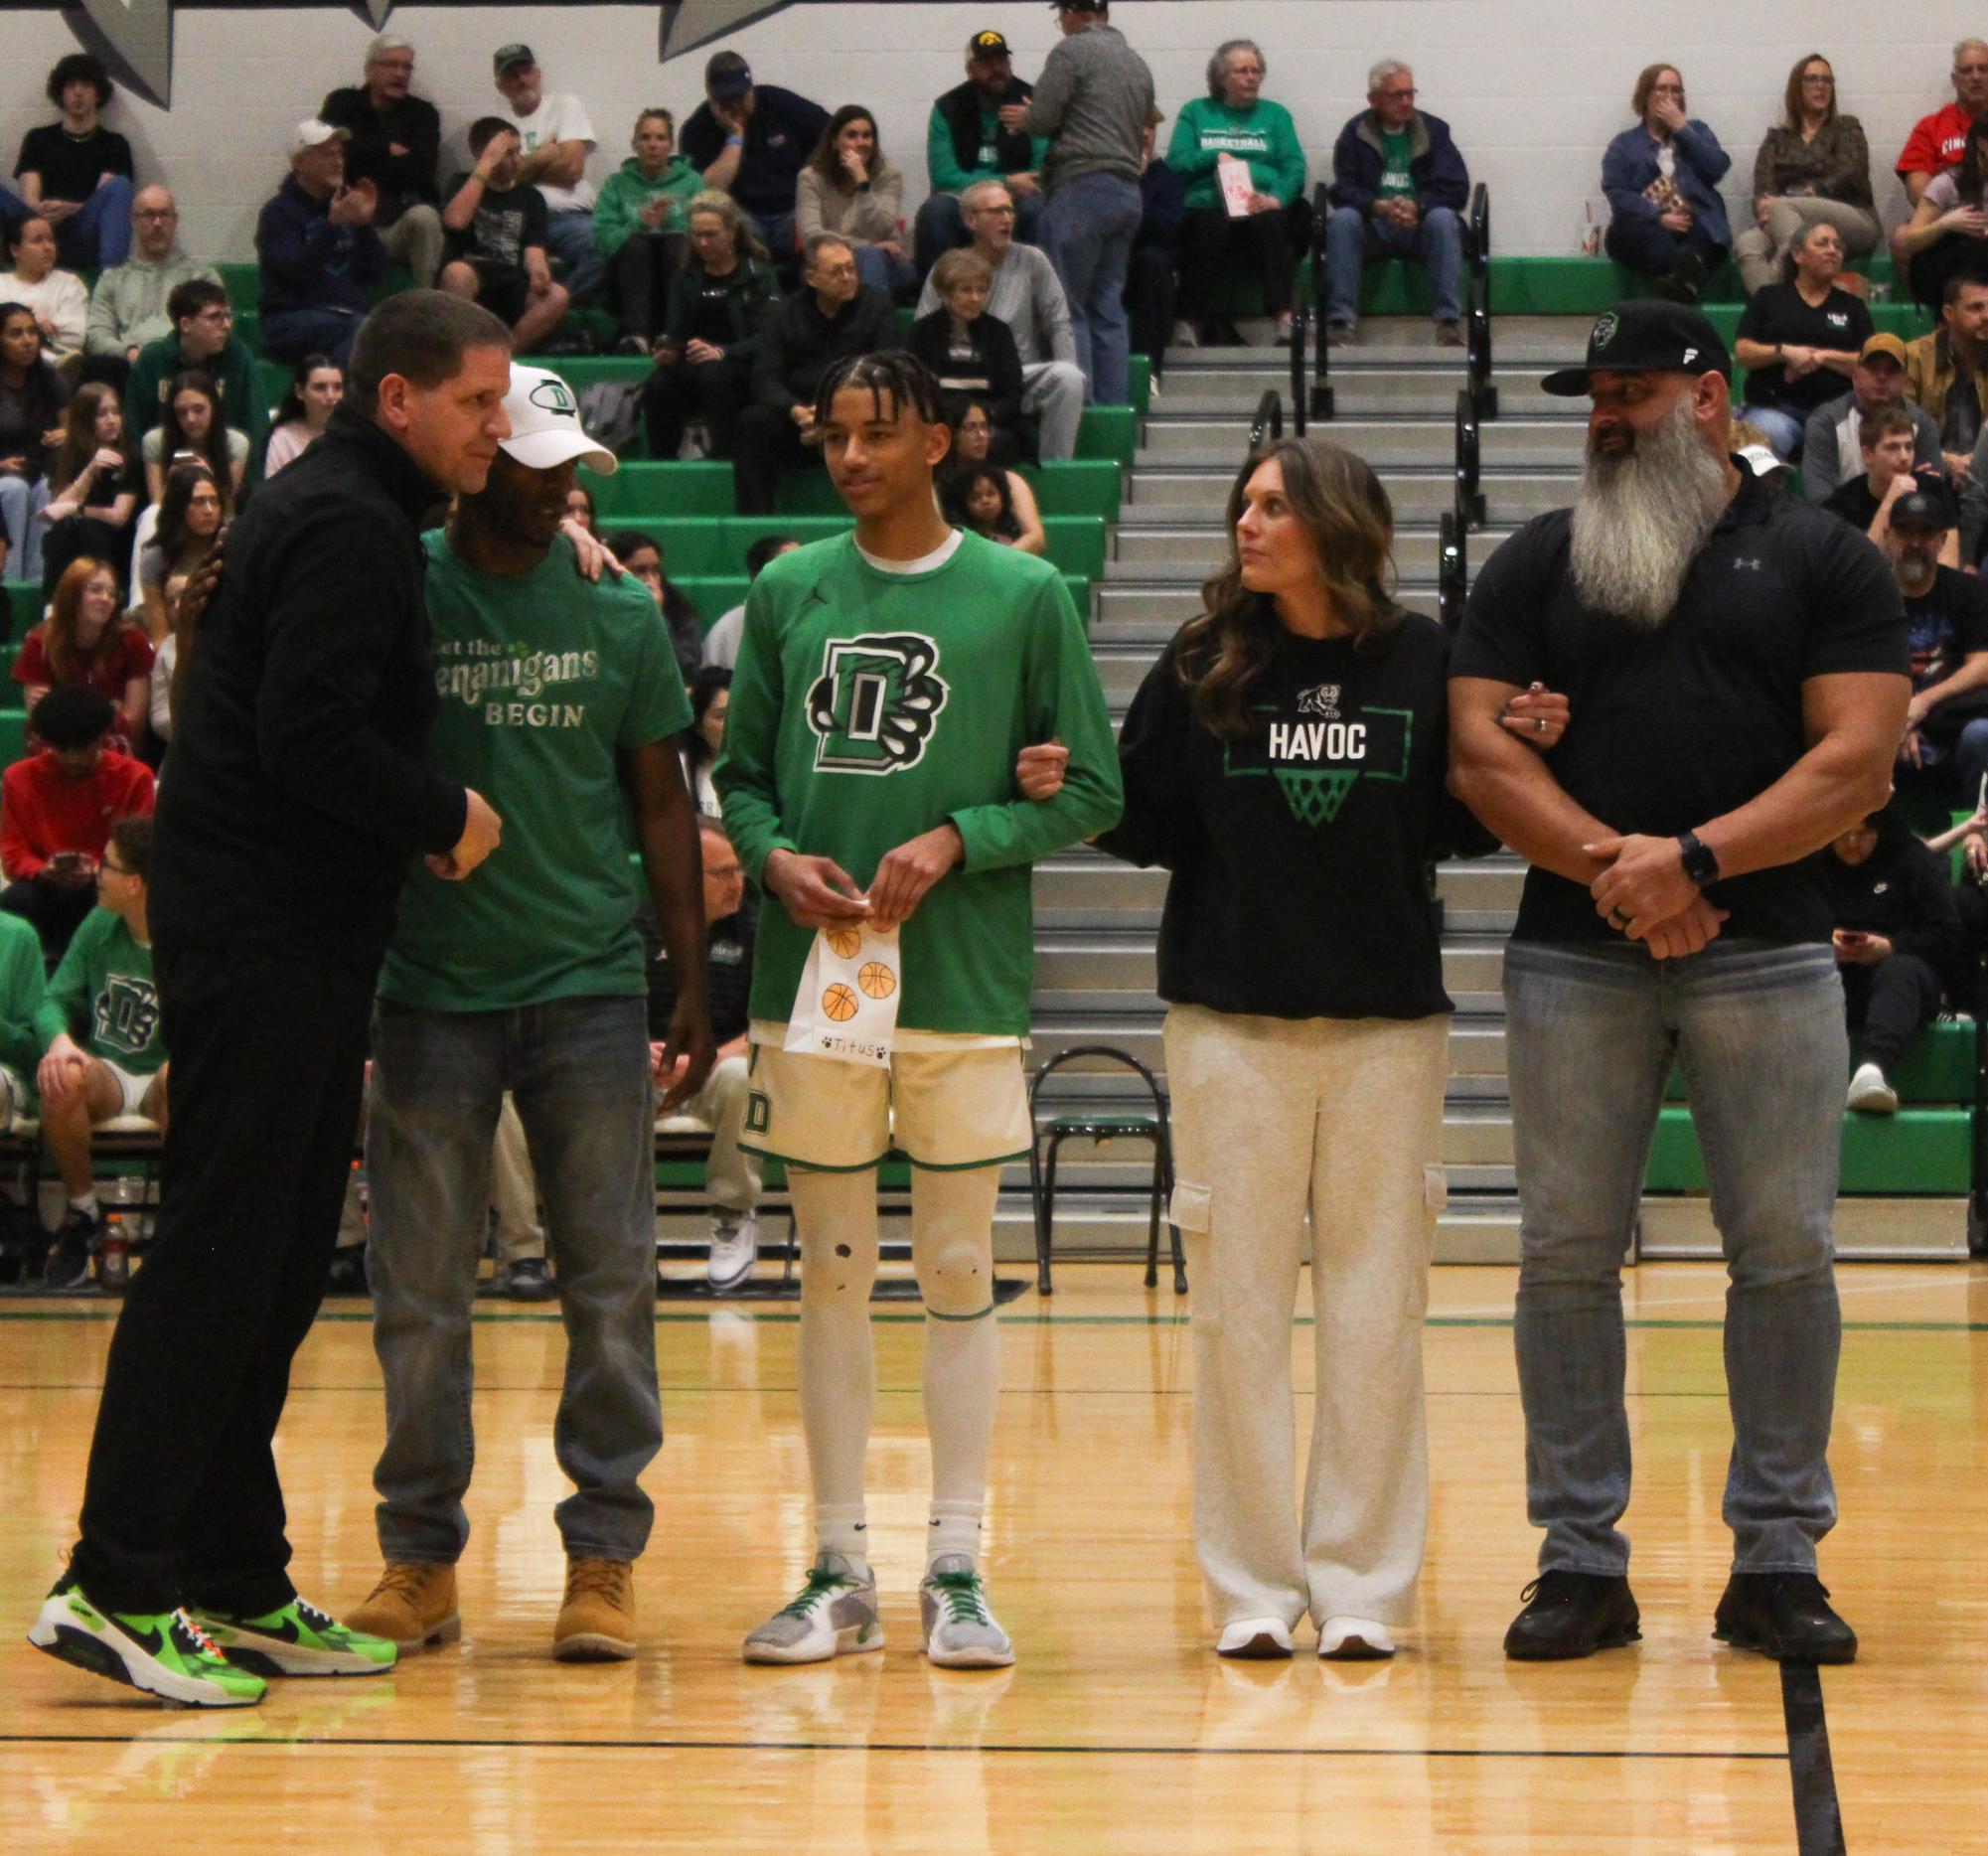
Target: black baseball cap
<point x="1645" y="337"/>
<point x="727" y="75"/>
<point x="1925" y="508"/>
<point x="506" y="56"/>
<point x="988" y="45"/>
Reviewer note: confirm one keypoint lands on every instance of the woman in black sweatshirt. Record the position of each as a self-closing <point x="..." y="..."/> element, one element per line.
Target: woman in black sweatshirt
<point x="1898" y="945"/>
<point x="1285" y="759"/>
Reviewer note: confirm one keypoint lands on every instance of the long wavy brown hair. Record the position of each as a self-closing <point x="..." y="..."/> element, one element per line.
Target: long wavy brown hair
<point x="1222" y="655"/>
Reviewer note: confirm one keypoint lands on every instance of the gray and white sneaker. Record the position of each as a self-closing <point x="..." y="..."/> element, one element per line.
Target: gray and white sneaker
<point x="734" y="1248"/>
<point x="834" y="1614"/>
<point x="1871" y="1092"/>
<point x="960" y="1631"/>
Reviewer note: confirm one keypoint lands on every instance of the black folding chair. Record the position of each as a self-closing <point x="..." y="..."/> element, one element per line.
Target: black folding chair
<point x="1049" y="1135"/>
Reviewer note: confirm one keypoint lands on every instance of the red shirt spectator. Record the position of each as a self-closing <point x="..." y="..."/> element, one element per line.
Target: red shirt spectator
<point x="1935" y="142"/>
<point x="53" y="802"/>
<point x="88" y="642"/>
<point x="130" y="656"/>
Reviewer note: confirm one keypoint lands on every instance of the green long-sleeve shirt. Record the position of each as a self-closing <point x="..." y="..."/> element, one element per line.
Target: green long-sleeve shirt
<point x="625" y="192"/>
<point x="104" y="997"/>
<point x="942" y="159"/>
<point x="233" y="371"/>
<point x="869" y="706"/>
<point x="22" y="992"/>
<point x="1265" y="136"/>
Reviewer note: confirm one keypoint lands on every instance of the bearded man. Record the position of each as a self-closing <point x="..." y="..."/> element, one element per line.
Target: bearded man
<point x="1737" y="670"/>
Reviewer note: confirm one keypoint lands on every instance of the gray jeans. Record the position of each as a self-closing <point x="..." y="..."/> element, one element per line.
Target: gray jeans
<point x="1591" y="1035"/>
<point x="578" y="1072"/>
<point x="1762" y="250"/>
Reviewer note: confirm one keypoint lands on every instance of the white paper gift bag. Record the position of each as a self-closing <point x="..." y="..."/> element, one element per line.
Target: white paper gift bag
<point x="846" y="1007"/>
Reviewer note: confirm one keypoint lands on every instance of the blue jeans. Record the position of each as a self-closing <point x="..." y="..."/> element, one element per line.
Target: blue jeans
<point x="291" y="334"/>
<point x="1969" y="755"/>
<point x="1784" y="430"/>
<point x="1589" y="1038"/>
<point x="99" y="235"/>
<point x="1088" y="228"/>
<point x="20" y="503"/>
<point x="1352" y="237"/>
<point x="881" y="271"/>
<point x="778" y="234"/>
<point x="578" y="1072"/>
<point x="570" y="235"/>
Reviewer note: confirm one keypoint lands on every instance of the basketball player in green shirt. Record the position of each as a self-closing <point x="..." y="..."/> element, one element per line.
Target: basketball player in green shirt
<point x="886" y="682"/>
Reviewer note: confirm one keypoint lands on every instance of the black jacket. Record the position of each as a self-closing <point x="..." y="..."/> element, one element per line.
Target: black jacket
<point x="743" y="298"/>
<point x="797" y="342"/>
<point x="1441" y="178"/>
<point x="961" y="109"/>
<point x="413" y="124"/>
<point x="993" y="375"/>
<point x="1901" y="891"/>
<point x="299" y="791"/>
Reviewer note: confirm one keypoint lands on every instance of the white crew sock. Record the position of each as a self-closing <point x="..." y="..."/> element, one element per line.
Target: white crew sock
<point x="952" y="1243"/>
<point x="836" y="1213"/>
<point x="86" y="1204"/>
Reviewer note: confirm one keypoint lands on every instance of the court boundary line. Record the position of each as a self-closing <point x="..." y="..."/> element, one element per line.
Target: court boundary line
<point x="634" y="1744"/>
<point x="1818" y="1812"/>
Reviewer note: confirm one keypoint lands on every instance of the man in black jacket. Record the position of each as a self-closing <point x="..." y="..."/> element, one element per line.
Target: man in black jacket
<point x="832" y="317"/>
<point x="300" y="793"/>
<point x="968" y="142"/>
<point x="397" y="145"/>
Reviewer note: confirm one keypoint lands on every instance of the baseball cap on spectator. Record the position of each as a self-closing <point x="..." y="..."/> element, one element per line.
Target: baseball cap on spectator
<point x="1925" y="508"/>
<point x="1884" y="343"/>
<point x="1645" y="337"/>
<point x="988" y="45"/>
<point x="314" y="133"/>
<point x="506" y="56"/>
<point x="1760" y="460"/>
<point x="727" y="75"/>
<point x="545" y="429"/>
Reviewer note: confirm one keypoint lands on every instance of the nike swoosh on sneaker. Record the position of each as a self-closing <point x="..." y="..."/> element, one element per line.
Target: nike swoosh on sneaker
<point x="151" y="1640"/>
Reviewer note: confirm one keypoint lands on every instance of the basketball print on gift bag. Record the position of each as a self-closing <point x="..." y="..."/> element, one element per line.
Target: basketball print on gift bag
<point x="838" y="1003"/>
<point x="877" y="979"/>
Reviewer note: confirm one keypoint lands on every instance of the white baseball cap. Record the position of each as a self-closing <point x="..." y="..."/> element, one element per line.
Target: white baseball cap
<point x="545" y="429"/>
<point x="314" y="132"/>
<point x="1760" y="461"/>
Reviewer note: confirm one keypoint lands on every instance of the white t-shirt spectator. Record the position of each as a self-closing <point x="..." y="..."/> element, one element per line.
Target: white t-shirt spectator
<point x="721" y="641"/>
<point x="558" y="119"/>
<point x="287" y="443"/>
<point x="1943" y="190"/>
<point x="153" y="447"/>
<point x="59" y="299"/>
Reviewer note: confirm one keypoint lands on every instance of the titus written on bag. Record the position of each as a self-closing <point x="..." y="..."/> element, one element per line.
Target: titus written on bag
<point x="849" y="990"/>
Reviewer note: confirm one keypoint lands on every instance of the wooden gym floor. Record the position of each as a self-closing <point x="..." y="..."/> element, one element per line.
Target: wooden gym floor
<point x="1117" y="1730"/>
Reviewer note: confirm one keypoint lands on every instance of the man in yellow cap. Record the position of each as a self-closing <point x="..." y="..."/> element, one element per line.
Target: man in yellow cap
<point x="1830" y="449"/>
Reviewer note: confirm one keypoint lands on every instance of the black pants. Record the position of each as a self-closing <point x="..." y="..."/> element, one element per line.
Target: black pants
<point x="1213" y="246"/>
<point x="1955" y="256"/>
<point x="765" y="442"/>
<point x="712" y="389"/>
<point x="183" y="1503"/>
<point x="1889" y="1005"/>
<point x="1149" y="293"/>
<point x="57" y="910"/>
<point x="640" y="270"/>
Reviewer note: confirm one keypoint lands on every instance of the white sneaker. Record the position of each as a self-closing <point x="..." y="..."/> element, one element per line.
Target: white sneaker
<point x="960" y="1630"/>
<point x="734" y="1248"/>
<point x="1355" y="1639"/>
<point x="1186" y="335"/>
<point x="1871" y="1094"/>
<point x="834" y="1614"/>
<point x="1255" y="1639"/>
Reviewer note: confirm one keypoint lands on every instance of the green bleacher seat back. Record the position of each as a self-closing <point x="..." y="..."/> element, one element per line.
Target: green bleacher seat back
<point x="662" y="490"/>
<point x="1077" y="487"/>
<point x="1109" y="432"/>
<point x="713" y="594"/>
<point x="12" y="735"/>
<point x="1937" y="1068"/>
<point x="1916" y="1153"/>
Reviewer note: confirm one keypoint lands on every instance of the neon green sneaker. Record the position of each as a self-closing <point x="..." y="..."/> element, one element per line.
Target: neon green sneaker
<point x="298" y="1640"/>
<point x="164" y="1653"/>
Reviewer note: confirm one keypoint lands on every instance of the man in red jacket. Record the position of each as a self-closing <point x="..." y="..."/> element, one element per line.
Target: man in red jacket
<point x="57" y="807"/>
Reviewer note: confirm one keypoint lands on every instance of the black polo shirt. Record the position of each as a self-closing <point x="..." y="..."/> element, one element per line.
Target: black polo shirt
<point x="1673" y="727"/>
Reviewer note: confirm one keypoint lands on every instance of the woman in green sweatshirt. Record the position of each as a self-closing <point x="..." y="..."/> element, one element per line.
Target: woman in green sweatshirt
<point x="639" y="224"/>
<point x="1234" y="123"/>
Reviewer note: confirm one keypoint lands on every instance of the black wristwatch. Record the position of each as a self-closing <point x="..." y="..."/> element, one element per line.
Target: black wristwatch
<point x="1700" y="864"/>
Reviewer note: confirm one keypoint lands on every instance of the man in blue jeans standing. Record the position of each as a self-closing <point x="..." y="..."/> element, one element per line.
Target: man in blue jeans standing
<point x="1737" y="671"/>
<point x="565" y="695"/>
<point x="1091" y="102"/>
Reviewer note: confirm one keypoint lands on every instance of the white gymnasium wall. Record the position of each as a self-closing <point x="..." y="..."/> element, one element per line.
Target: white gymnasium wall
<point x="1533" y="88"/>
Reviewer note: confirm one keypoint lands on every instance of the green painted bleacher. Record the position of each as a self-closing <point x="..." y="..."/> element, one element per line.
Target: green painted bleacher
<point x="1076" y="486"/>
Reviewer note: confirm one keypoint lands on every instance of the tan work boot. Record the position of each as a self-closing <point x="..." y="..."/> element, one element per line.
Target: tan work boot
<point x="597" y="1621"/>
<point x="413" y="1604"/>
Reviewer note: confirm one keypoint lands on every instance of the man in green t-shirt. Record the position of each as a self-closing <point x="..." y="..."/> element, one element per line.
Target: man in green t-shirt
<point x="564" y="697"/>
<point x="104" y="1055"/>
<point x="886" y="682"/>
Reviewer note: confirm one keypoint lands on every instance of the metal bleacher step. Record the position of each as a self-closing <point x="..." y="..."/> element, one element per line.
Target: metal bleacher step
<point x="1147" y="552"/>
<point x="1508" y="443"/>
<point x="1420" y="491"/>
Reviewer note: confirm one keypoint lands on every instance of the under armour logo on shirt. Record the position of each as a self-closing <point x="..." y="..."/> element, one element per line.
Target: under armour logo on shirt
<point x="1740" y="565"/>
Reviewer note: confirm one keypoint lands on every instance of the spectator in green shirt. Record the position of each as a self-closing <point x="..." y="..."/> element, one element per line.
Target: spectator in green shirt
<point x="966" y="142"/>
<point x="203" y="337"/>
<point x="1233" y="123"/>
<point x="641" y="215"/>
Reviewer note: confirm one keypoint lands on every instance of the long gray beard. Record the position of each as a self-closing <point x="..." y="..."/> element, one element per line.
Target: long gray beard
<point x="1642" y="518"/>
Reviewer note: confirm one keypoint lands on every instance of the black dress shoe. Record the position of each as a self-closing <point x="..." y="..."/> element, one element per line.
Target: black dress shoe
<point x="345" y="1275"/>
<point x="1569" y="1614"/>
<point x="1786" y="1617"/>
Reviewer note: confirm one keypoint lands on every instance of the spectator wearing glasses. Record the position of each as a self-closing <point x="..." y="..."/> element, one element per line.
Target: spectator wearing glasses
<point x="1799" y="339"/>
<point x="397" y="145"/>
<point x="966" y="143"/>
<point x="849" y="186"/>
<point x="1813" y="166"/>
<point x="1398" y="187"/>
<point x="318" y="251"/>
<point x="203" y="337"/>
<point x="1667" y="222"/>
<point x="1938" y="140"/>
<point x="1234" y="123"/>
<point x="75" y="173"/>
<point x="128" y="308"/>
